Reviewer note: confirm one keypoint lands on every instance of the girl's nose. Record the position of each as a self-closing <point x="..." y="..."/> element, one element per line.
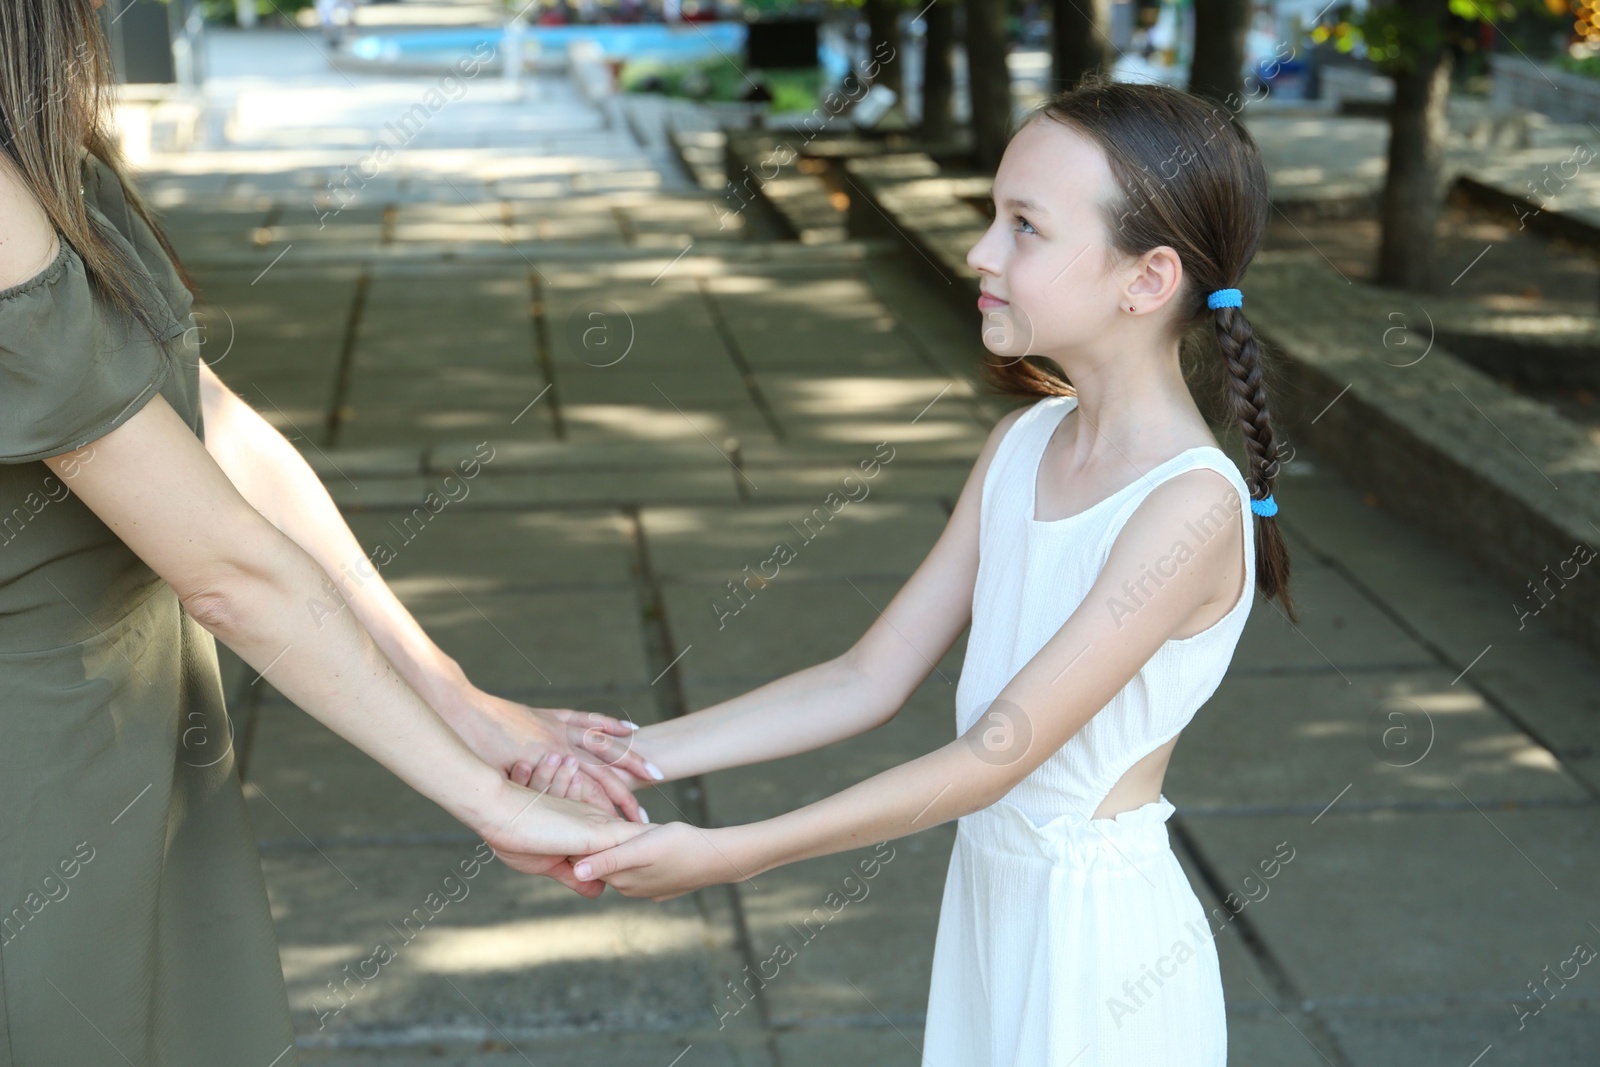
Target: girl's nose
<point x="984" y="257"/>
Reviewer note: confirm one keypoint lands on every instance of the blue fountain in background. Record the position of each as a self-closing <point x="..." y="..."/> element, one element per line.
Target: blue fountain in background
<point x="431" y="50"/>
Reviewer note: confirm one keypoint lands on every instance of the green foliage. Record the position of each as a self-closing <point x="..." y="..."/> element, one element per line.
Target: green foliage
<point x="227" y="11"/>
<point x="1589" y="66"/>
<point x="908" y="5"/>
<point x="1394" y="36"/>
<point x="792" y="90"/>
<point x="794" y="7"/>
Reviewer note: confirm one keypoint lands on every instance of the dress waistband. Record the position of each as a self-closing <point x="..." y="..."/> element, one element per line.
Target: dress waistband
<point x="1119" y="840"/>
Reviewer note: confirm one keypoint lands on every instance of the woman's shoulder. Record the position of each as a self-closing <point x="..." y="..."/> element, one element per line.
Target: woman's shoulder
<point x="28" y="242"/>
<point x="71" y="367"/>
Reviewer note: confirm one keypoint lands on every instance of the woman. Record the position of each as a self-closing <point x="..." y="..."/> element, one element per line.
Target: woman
<point x="144" y="511"/>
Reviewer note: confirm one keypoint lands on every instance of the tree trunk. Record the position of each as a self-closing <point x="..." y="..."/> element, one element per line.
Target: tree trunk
<point x="1412" y="193"/>
<point x="1080" y="40"/>
<point x="1219" y="32"/>
<point x="988" y="81"/>
<point x="938" y="73"/>
<point x="885" y="45"/>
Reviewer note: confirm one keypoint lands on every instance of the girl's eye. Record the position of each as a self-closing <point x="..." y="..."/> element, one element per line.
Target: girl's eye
<point x="1024" y="222"/>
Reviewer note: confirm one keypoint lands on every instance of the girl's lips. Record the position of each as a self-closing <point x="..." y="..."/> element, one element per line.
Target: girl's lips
<point x="987" y="301"/>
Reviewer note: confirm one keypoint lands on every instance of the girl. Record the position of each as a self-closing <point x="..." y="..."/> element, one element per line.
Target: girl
<point x="1102" y="552"/>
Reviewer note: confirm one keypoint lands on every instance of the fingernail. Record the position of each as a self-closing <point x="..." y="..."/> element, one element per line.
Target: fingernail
<point x="552" y="760"/>
<point x="645" y="815"/>
<point x="630" y="725"/>
<point x="655" y="772"/>
<point x="571" y="761"/>
<point x="582" y="870"/>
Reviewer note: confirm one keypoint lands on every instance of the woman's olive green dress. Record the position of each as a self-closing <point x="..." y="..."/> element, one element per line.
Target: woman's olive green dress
<point x="134" y="925"/>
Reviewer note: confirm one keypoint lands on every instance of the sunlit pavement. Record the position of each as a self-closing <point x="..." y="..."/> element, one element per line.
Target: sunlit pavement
<point x="571" y="406"/>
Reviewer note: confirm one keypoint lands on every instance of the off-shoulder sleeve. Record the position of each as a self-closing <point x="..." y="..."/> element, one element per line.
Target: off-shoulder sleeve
<point x="72" y="369"/>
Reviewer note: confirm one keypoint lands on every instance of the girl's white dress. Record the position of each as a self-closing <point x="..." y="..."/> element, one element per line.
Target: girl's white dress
<point x="1065" y="939"/>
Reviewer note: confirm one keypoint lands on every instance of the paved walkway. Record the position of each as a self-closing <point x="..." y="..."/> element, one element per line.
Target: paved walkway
<point x="666" y="397"/>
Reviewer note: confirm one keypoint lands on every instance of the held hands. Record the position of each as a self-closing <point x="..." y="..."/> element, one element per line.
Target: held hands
<point x="661" y="863"/>
<point x="535" y="833"/>
<point x="517" y="740"/>
<point x="665" y="862"/>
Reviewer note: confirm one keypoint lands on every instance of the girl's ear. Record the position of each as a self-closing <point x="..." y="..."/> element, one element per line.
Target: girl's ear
<point x="1157" y="278"/>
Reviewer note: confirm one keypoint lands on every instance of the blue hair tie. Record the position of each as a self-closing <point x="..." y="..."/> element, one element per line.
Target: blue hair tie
<point x="1225" y="298"/>
<point x="1264" y="507"/>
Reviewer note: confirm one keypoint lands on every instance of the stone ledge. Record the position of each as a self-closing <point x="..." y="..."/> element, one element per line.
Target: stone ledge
<point x="773" y="172"/>
<point x="700" y="152"/>
<point x="906" y="196"/>
<point x="1439" y="442"/>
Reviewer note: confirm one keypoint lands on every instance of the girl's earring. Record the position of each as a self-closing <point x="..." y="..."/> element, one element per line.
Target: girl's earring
<point x="1130" y="307"/>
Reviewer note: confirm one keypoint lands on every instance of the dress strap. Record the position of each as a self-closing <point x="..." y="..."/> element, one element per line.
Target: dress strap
<point x="1205" y="457"/>
<point x="1020" y="448"/>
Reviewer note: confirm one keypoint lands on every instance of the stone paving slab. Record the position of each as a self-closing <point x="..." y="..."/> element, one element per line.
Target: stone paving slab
<point x="558" y="638"/>
<point x="780" y="628"/>
<point x="524" y="952"/>
<point x="481" y="551"/>
<point x="720" y="386"/>
<point x="246" y="333"/>
<point x="522" y="457"/>
<point x="838" y="972"/>
<point x="717" y="544"/>
<point x="308" y="782"/>
<point x="1394" y="738"/>
<point x="706" y="1047"/>
<point x="663" y="422"/>
<point x="701" y="484"/>
<point x="1543" y="679"/>
<point x="1448" y="1037"/>
<point x="439" y="387"/>
<point x="1469" y="903"/>
<point x="379" y="424"/>
<point x="1339" y="628"/>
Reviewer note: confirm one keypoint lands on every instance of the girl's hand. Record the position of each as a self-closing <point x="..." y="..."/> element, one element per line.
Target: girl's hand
<point x="514" y="738"/>
<point x="668" y="861"/>
<point x="562" y="777"/>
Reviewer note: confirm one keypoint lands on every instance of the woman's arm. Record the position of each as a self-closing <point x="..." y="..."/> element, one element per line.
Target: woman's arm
<point x="857" y="691"/>
<point x="1094" y="654"/>
<point x="274" y="477"/>
<point x="157" y="488"/>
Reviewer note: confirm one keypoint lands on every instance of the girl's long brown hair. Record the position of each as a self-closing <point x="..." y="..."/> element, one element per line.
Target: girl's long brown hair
<point x="1191" y="178"/>
<point x="54" y="94"/>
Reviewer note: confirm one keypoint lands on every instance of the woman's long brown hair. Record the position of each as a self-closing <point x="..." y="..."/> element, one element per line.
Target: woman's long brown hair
<point x="54" y="96"/>
<point x="1191" y="178"/>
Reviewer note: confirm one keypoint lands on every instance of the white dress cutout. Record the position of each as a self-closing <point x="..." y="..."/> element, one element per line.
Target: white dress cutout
<point x="1065" y="939"/>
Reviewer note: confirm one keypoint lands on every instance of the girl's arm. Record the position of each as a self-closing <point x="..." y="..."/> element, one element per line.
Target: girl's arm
<point x="274" y="477"/>
<point x="1094" y="654"/>
<point x="857" y="691"/>
<point x="158" y="489"/>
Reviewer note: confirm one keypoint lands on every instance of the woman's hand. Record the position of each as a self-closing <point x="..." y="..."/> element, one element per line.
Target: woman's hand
<point x="515" y="738"/>
<point x="665" y="862"/>
<point x="536" y="833"/>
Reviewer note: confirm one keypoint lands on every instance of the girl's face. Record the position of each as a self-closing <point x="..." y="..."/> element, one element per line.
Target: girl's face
<point x="1045" y="263"/>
